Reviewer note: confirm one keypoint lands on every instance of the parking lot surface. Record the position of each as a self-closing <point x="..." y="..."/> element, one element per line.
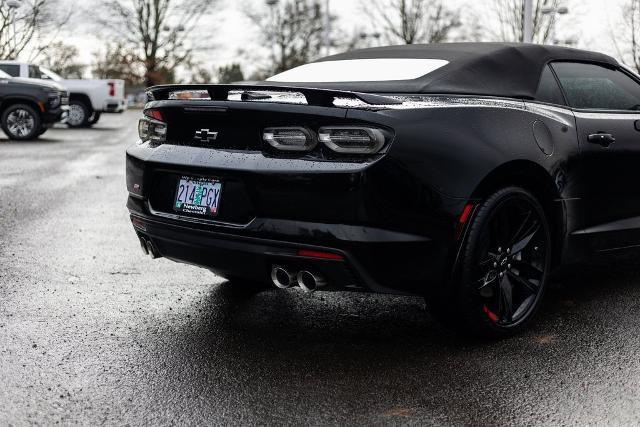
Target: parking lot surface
<point x="93" y="332"/>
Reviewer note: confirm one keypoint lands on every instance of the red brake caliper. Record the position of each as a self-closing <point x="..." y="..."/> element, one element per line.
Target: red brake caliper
<point x="489" y="313"/>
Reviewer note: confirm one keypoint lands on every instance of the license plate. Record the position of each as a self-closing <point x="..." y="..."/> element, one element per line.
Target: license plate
<point x="198" y="196"/>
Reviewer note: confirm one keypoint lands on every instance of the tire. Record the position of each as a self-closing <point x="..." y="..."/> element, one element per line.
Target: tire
<point x="42" y="130"/>
<point x="79" y="114"/>
<point x="94" y="118"/>
<point x="21" y="122"/>
<point x="503" y="268"/>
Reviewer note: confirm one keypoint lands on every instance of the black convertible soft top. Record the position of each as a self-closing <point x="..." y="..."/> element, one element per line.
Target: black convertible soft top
<point x="498" y="69"/>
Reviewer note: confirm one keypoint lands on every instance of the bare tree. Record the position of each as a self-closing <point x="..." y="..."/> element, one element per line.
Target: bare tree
<point x="510" y="14"/>
<point x="116" y="61"/>
<point x="62" y="59"/>
<point x="35" y="20"/>
<point x="201" y="75"/>
<point x="224" y="74"/>
<point x="627" y="37"/>
<point x="413" y="21"/>
<point x="230" y="73"/>
<point x="359" y="38"/>
<point x="294" y="31"/>
<point x="158" y="32"/>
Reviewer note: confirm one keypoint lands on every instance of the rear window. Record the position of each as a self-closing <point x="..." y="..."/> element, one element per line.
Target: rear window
<point x="361" y="70"/>
<point x="12" y="69"/>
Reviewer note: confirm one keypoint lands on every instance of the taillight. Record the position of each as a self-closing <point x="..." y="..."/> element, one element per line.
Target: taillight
<point x="112" y="88"/>
<point x="352" y="139"/>
<point x="154" y="114"/>
<point x="152" y="128"/>
<point x="289" y="138"/>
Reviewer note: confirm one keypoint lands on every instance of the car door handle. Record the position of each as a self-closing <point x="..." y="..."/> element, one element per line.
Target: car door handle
<point x="602" y="139"/>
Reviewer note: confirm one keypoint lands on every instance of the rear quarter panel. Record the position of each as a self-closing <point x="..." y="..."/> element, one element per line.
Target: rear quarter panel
<point x="451" y="144"/>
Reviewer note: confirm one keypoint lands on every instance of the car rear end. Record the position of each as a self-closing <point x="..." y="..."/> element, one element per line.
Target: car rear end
<point x="243" y="180"/>
<point x="115" y="101"/>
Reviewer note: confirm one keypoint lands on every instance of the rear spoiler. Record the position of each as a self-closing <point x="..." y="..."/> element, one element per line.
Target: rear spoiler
<point x="315" y="97"/>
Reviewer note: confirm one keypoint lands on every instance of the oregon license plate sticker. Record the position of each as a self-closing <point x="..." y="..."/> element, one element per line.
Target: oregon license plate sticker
<point x="198" y="196"/>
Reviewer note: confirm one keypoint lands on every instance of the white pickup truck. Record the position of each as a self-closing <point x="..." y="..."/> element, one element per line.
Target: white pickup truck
<point x="88" y="98"/>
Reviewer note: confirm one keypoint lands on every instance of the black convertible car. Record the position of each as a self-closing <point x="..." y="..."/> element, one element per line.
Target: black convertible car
<point x="464" y="173"/>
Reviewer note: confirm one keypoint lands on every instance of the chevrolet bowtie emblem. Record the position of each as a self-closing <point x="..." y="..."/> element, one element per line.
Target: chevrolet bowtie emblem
<point x="205" y="136"/>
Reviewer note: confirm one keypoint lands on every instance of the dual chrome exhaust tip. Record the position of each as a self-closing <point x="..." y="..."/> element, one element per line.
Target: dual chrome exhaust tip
<point x="308" y="281"/>
<point x="148" y="248"/>
<point x="282" y="278"/>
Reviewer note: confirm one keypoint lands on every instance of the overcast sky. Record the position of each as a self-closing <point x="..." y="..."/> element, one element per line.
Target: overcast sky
<point x="590" y="21"/>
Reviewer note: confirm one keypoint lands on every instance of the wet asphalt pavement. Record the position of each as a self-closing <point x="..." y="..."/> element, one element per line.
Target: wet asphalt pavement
<point x="93" y="332"/>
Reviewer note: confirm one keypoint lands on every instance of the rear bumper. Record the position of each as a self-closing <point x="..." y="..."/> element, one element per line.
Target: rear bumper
<point x="372" y="260"/>
<point x="114" y="106"/>
<point x="393" y="234"/>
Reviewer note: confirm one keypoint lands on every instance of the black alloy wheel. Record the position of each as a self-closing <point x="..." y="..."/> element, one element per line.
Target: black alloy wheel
<point x="21" y="122"/>
<point x="504" y="265"/>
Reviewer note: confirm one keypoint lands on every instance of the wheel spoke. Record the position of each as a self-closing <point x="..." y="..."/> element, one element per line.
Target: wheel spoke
<point x="525" y="304"/>
<point x="506" y="299"/>
<point x="529" y="286"/>
<point x="20" y="122"/>
<point x="528" y="269"/>
<point x="522" y="243"/>
<point x="487" y="284"/>
<point x="483" y="267"/>
<point x="523" y="226"/>
<point x="487" y="261"/>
